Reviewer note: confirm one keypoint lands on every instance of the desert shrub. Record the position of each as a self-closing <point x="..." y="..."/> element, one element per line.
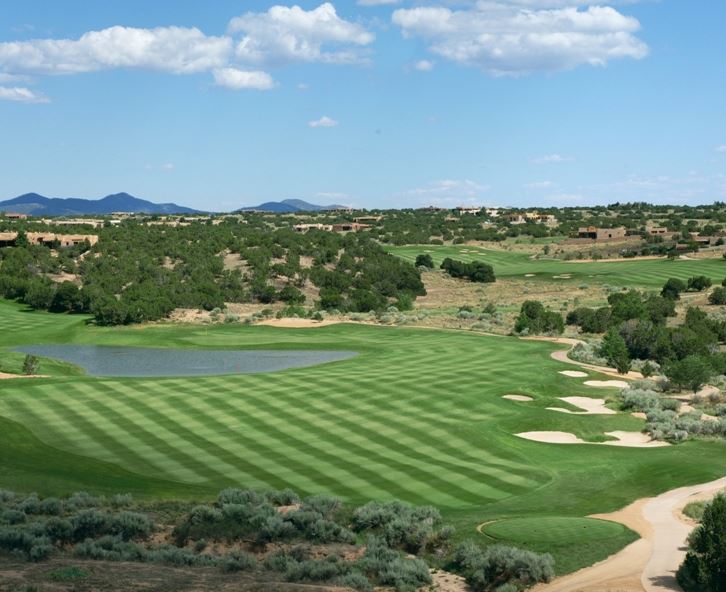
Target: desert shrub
<point x="489" y="569"/>
<point x="131" y="525"/>
<point x="326" y="505"/>
<point x="121" y="500"/>
<point x="718" y="296"/>
<point x="170" y="555"/>
<point x="11" y="516"/>
<point x="639" y="400"/>
<point x="386" y="567"/>
<point x="355" y="580"/>
<point x="81" y="499"/>
<point x="30" y="505"/>
<point x="51" y="506"/>
<point x="59" y="529"/>
<point x="284" y="497"/>
<point x="89" y="524"/>
<point x="698" y="283"/>
<point x="41" y="550"/>
<point x="587" y="353"/>
<point x="535" y="319"/>
<point x="238" y="561"/>
<point x="316" y="571"/>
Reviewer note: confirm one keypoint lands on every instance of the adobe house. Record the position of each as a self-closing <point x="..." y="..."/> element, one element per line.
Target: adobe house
<point x="601" y="234"/>
<point x="8" y="239"/>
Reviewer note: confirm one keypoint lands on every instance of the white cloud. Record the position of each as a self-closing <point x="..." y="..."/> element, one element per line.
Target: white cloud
<point x="721" y="148"/>
<point x="449" y="193"/>
<point x="377" y="2"/>
<point x="551" y="159"/>
<point x="168" y="166"/>
<point x="243" y="79"/>
<point x="424" y="65"/>
<point x="505" y="38"/>
<point x="170" y="49"/>
<point x="21" y="95"/>
<point x="291" y="34"/>
<point x="539" y="185"/>
<point x="324" y="121"/>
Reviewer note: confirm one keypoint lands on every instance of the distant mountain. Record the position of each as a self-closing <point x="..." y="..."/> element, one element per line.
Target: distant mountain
<point x="288" y="206"/>
<point x="38" y="205"/>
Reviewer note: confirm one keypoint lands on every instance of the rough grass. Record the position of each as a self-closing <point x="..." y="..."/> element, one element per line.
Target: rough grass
<point x="418" y="416"/>
<point x="651" y="273"/>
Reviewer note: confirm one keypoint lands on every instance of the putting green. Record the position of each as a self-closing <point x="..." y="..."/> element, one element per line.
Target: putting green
<point x="553" y="530"/>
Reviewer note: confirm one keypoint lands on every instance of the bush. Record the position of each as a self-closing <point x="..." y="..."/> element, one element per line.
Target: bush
<point x="355" y="580"/>
<point x="131" y="525"/>
<point x="424" y="260"/>
<point x="535" y="319"/>
<point x="475" y="271"/>
<point x="698" y="283"/>
<point x="238" y="561"/>
<point x="718" y="296"/>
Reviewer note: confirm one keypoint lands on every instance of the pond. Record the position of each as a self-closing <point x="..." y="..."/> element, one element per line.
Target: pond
<point x="101" y="360"/>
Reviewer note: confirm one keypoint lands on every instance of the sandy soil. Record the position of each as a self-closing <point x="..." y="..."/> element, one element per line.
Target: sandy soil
<point x="443" y="581"/>
<point x="607" y="383"/>
<point x="649" y="564"/>
<point x="573" y="373"/>
<point x="639" y="415"/>
<point x="590" y="406"/>
<point x="517" y="398"/>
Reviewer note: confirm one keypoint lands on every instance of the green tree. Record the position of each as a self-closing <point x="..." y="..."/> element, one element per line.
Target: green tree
<point x="673" y="288"/>
<point x="698" y="283"/>
<point x="718" y="296"/>
<point x="691" y="372"/>
<point x="30" y="365"/>
<point x="704" y="569"/>
<point x="424" y="260"/>
<point x="615" y="351"/>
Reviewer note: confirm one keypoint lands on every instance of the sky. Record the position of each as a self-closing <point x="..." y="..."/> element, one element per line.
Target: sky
<point x="370" y="103"/>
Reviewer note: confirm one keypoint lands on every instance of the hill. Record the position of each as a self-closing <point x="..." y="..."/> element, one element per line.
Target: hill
<point x="288" y="206"/>
<point x="39" y="205"/>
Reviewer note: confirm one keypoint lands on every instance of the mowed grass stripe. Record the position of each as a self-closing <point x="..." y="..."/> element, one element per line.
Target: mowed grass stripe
<point x="202" y="405"/>
<point x="397" y="425"/>
<point x="145" y="444"/>
<point x="308" y="446"/>
<point x="404" y="468"/>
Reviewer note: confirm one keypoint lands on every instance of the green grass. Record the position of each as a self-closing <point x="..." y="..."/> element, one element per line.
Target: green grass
<point x="418" y="415"/>
<point x="558" y="535"/>
<point x="643" y="274"/>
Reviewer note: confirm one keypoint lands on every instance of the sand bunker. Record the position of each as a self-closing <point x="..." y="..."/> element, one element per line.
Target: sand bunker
<point x="624" y="439"/>
<point x="573" y="373"/>
<point x="590" y="406"/>
<point x="633" y="440"/>
<point x="5" y="376"/>
<point x="529" y="275"/>
<point x="551" y="437"/>
<point x="621" y="384"/>
<point x="518" y="398"/>
<point x="298" y="323"/>
<point x="564" y="276"/>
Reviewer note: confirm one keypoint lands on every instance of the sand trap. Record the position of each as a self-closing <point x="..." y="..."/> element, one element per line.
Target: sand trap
<point x="551" y="437"/>
<point x="624" y="439"/>
<point x="529" y="274"/>
<point x="298" y="323"/>
<point x="562" y="277"/>
<point x="633" y="440"/>
<point x="573" y="373"/>
<point x="5" y="376"/>
<point x="518" y="398"/>
<point x="590" y="406"/>
<point x="621" y="384"/>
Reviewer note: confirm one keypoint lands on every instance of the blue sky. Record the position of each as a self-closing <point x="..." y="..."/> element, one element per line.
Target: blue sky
<point x="375" y="103"/>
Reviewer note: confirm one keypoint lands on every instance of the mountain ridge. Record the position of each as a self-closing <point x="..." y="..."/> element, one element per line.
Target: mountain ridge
<point x="35" y="204"/>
